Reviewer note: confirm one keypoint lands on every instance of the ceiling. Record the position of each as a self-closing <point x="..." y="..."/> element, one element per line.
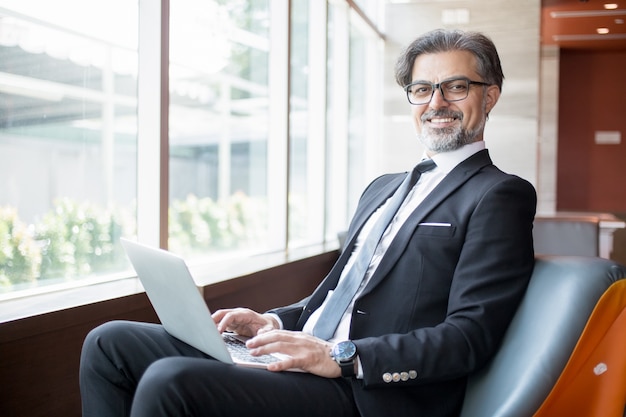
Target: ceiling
<point x="573" y="24"/>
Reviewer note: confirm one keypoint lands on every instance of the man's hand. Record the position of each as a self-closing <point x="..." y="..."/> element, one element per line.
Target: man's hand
<point x="304" y="352"/>
<point x="243" y="321"/>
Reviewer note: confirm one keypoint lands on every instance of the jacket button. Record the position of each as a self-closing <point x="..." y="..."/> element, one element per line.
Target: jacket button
<point x="396" y="377"/>
<point x="387" y="377"/>
<point x="404" y="376"/>
<point x="412" y="374"/>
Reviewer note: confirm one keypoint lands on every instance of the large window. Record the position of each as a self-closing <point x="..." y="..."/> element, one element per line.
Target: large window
<point x="68" y="117"/>
<point x="267" y="130"/>
<point x="219" y="126"/>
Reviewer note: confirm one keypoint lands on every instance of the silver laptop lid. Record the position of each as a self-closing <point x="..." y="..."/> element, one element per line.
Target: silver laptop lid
<point x="176" y="298"/>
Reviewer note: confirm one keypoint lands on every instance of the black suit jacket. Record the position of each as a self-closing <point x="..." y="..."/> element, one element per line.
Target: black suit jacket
<point x="438" y="304"/>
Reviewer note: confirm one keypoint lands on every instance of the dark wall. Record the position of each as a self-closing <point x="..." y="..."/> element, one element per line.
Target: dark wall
<point x="39" y="356"/>
<point x="592" y="97"/>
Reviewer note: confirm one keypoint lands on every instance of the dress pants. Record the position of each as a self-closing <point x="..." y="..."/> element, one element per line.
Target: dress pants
<point x="138" y="369"/>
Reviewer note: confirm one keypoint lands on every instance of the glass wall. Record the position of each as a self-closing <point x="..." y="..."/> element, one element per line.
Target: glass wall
<point x="68" y="120"/>
<point x="268" y="130"/>
<point x="219" y="126"/>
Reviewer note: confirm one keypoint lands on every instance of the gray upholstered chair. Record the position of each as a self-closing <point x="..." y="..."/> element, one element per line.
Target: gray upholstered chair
<point x="552" y="362"/>
<point x="567" y="235"/>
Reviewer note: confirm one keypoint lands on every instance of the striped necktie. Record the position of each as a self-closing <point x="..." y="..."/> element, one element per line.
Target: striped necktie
<point x="350" y="284"/>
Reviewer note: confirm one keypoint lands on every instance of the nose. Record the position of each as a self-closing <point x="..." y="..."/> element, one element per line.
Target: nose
<point x="437" y="101"/>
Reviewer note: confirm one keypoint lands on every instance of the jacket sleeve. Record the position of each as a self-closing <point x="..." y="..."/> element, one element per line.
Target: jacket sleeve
<point x="290" y="314"/>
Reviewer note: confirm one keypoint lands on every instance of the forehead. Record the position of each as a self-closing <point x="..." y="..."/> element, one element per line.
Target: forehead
<point x="443" y="65"/>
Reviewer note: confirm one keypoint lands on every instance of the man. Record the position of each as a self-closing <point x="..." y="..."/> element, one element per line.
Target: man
<point x="436" y="297"/>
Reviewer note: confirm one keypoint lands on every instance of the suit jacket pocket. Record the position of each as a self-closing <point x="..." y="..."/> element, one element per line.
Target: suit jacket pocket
<point x="435" y="229"/>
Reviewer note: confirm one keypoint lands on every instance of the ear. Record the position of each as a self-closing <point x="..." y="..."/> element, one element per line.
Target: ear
<point x="491" y="97"/>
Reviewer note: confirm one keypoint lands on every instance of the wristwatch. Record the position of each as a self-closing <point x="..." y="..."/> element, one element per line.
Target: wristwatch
<point x="344" y="353"/>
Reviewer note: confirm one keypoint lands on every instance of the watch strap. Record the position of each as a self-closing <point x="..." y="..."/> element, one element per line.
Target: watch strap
<point x="347" y="368"/>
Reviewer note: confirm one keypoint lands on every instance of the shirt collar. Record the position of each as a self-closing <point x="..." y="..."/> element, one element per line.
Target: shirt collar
<point x="446" y="161"/>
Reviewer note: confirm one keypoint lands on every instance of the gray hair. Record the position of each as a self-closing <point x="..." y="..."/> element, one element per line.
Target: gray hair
<point x="440" y="40"/>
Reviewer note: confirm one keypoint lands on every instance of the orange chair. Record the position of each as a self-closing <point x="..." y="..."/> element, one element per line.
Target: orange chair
<point x="594" y="380"/>
<point x="564" y="353"/>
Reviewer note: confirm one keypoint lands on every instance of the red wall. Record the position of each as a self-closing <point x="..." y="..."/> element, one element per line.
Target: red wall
<point x="592" y="97"/>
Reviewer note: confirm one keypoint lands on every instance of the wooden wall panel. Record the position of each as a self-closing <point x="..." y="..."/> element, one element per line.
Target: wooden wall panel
<point x="592" y="97"/>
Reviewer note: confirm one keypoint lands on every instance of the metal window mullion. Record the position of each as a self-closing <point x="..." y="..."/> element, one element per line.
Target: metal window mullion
<point x="278" y="135"/>
<point x="316" y="143"/>
<point x="375" y="143"/>
<point x="338" y="185"/>
<point x="152" y="123"/>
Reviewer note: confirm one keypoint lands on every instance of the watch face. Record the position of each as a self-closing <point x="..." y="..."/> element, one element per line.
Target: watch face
<point x="344" y="350"/>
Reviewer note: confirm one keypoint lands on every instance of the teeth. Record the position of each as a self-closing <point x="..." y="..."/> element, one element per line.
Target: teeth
<point x="446" y="120"/>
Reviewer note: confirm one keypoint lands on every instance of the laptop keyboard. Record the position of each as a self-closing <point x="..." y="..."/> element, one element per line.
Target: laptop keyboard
<point x="238" y="349"/>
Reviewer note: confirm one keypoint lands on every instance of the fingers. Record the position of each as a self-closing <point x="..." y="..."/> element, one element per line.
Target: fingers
<point x="219" y="315"/>
<point x="303" y="352"/>
<point x="244" y="321"/>
<point x="239" y="320"/>
<point x="218" y="318"/>
<point x="284" y="365"/>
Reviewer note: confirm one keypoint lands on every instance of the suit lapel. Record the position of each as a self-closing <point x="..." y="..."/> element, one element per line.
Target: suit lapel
<point x="455" y="179"/>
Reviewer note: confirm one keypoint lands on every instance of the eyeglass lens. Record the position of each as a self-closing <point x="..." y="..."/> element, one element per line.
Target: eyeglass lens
<point x="452" y="90"/>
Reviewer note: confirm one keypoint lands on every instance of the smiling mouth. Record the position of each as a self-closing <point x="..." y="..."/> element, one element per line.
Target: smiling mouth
<point x="442" y="120"/>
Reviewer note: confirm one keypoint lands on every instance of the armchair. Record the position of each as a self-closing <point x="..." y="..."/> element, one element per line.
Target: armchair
<point x="564" y="353"/>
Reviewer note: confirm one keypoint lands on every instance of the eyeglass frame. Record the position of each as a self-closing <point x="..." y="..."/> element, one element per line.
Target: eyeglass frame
<point x="437" y="86"/>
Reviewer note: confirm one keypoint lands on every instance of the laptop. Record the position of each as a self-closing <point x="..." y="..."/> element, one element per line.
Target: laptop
<point x="182" y="309"/>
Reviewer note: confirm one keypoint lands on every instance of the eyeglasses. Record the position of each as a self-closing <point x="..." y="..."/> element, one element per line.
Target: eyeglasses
<point x="451" y="90"/>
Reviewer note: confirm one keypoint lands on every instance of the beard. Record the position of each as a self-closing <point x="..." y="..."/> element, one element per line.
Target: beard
<point x="447" y="139"/>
